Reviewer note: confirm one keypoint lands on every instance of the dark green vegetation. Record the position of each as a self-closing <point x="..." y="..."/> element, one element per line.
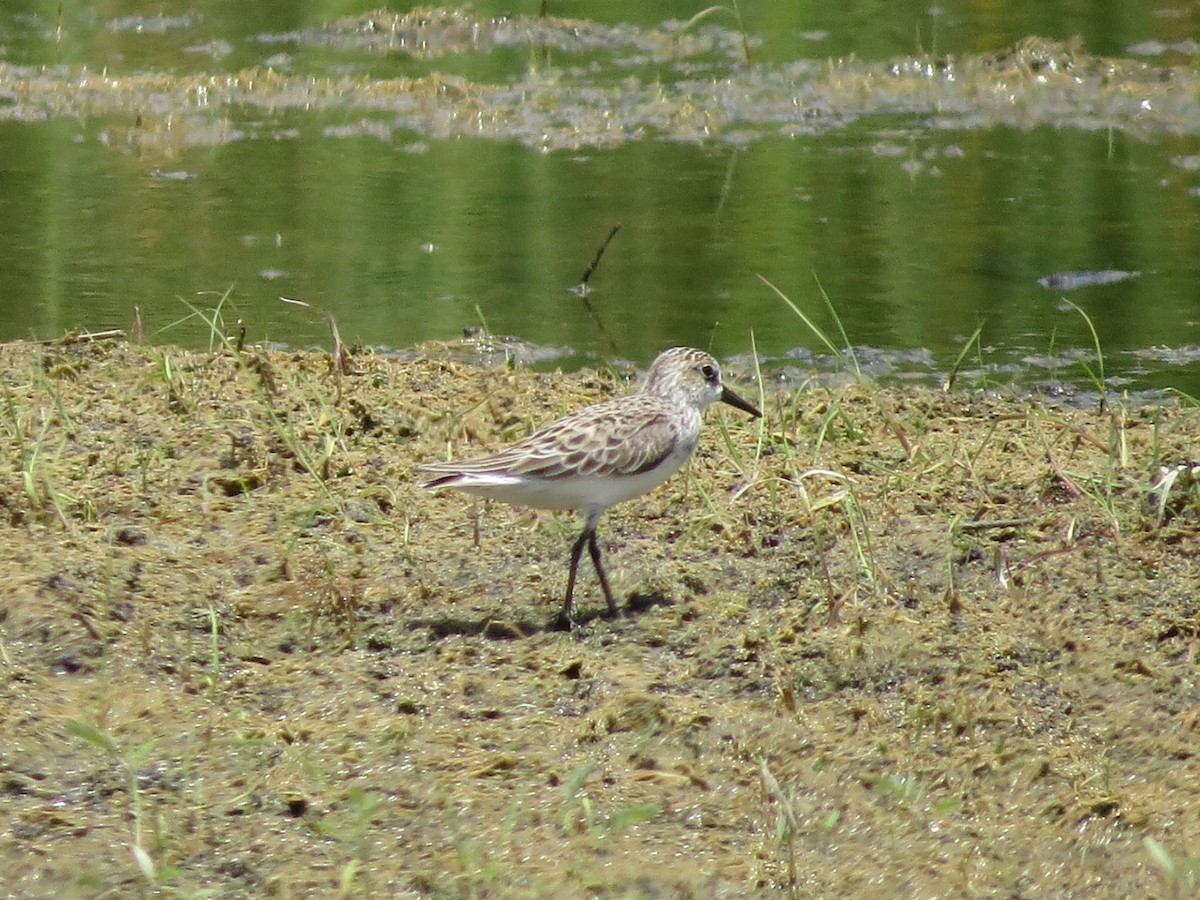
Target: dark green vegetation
<point x="889" y="642"/>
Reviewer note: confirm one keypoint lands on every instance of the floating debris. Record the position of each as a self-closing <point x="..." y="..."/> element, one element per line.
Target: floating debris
<point x="1033" y="84"/>
<point x="1070" y="281"/>
<point x="436" y="33"/>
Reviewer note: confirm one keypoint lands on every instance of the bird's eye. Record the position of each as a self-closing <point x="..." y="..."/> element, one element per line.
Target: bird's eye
<point x="709" y="372"/>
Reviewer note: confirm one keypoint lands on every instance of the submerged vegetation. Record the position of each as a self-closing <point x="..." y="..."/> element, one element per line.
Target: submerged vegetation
<point x="863" y="639"/>
<point x="706" y="86"/>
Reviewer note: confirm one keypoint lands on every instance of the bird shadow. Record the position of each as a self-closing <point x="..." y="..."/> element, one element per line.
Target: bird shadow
<point x="640" y="603"/>
<point x="501" y="629"/>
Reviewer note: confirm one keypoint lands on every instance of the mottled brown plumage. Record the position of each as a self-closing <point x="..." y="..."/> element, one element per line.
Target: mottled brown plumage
<point x="602" y="454"/>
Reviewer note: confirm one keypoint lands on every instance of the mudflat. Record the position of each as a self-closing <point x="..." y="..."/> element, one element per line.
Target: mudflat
<point x="887" y="641"/>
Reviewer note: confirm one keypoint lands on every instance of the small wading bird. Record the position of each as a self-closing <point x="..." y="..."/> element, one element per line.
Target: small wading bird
<point x="602" y="454"/>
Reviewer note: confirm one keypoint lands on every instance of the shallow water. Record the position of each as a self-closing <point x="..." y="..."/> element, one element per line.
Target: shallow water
<point x="919" y="203"/>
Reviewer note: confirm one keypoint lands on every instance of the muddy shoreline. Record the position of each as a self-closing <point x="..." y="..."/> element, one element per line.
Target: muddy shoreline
<point x="890" y="640"/>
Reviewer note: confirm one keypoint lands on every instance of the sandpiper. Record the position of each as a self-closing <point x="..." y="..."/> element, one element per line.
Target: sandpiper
<point x="602" y="454"/>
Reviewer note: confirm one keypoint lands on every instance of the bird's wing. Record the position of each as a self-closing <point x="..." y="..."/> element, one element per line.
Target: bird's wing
<point x="620" y="437"/>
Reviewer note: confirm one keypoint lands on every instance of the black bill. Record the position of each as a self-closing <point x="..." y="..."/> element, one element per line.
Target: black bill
<point x="728" y="396"/>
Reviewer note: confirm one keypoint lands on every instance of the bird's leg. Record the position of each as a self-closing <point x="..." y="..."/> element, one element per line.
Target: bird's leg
<point x="576" y="552"/>
<point x="594" y="549"/>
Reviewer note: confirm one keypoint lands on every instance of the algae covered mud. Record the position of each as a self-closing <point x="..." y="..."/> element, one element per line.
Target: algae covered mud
<point x="884" y="641"/>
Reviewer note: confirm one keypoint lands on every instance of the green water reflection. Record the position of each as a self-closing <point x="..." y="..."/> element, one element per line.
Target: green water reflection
<point x="918" y="233"/>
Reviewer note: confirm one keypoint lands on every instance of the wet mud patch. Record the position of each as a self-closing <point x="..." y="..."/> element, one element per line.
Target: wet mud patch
<point x="886" y="640"/>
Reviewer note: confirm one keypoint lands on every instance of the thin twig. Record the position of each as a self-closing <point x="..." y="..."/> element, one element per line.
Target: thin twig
<point x="599" y="253"/>
<point x="582" y="289"/>
<point x="86" y="337"/>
